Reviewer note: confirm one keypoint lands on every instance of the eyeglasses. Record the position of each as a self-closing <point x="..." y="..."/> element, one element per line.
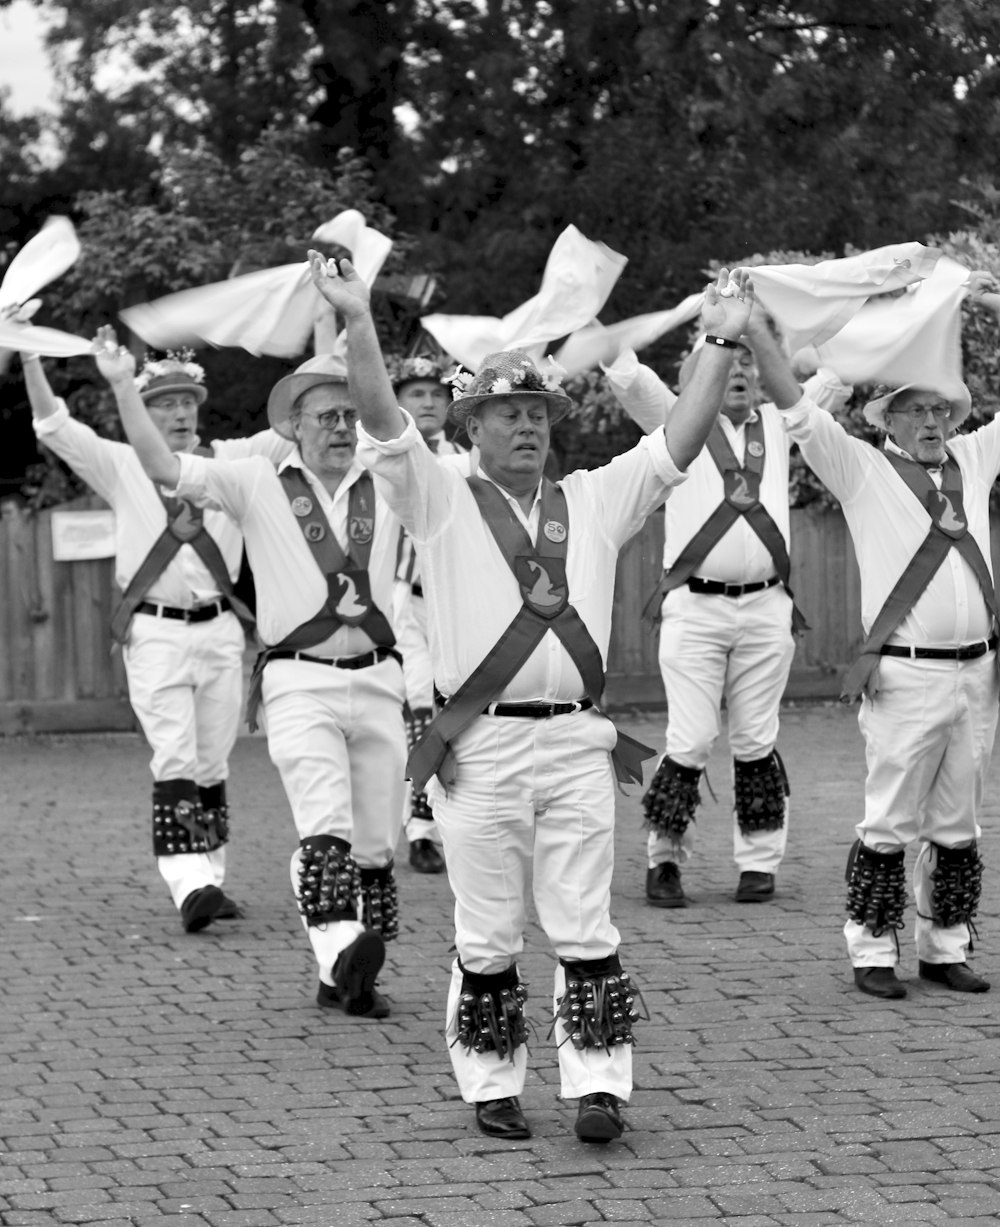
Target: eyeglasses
<point x="917" y="413"/>
<point x="329" y="418"/>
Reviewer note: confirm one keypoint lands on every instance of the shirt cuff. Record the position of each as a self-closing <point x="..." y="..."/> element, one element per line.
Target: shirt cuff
<point x="190" y="484"/>
<point x="392" y="447"/>
<point x="663" y="462"/>
<point x="49" y="425"/>
<point x="795" y="414"/>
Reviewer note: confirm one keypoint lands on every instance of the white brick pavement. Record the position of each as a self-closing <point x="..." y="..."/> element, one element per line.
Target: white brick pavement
<point x="149" y="1077"/>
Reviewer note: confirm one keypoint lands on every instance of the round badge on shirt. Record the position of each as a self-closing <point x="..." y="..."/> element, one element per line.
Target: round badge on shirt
<point x="301" y="506"/>
<point x="755" y="448"/>
<point x="554" y="531"/>
<point x="314" y="531"/>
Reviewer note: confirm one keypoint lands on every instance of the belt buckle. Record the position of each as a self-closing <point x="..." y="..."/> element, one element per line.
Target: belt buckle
<point x="732" y="589"/>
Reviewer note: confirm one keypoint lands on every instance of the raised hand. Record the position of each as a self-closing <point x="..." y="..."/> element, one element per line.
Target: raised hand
<point x="728" y="303"/>
<point x="984" y="288"/>
<point x="339" y="284"/>
<point x="114" y="361"/>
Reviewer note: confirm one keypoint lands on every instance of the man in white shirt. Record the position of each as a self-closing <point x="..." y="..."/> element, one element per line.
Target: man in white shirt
<point x="420" y="389"/>
<point x="726" y="620"/>
<point x="518" y="576"/>
<point x="918" y="512"/>
<point x="182" y="642"/>
<point x="322" y="547"/>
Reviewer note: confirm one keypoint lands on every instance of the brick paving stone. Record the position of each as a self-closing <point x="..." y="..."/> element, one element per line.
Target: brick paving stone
<point x="144" y="1070"/>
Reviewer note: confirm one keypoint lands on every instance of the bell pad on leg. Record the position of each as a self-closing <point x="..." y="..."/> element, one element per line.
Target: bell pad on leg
<point x="329" y="880"/>
<point x="957" y="881"/>
<point x="672" y="799"/>
<point x="490" y="1015"/>
<point x="215" y="808"/>
<point x="597" y="1009"/>
<point x="761" y="792"/>
<point x="380" y="901"/>
<point x="876" y="888"/>
<point x="180" y="825"/>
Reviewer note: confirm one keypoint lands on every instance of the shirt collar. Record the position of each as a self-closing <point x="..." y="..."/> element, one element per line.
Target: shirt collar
<point x="294" y="460"/>
<point x="480" y="472"/>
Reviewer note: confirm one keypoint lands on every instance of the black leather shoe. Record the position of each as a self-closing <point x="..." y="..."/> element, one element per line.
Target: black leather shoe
<point x="957" y="976"/>
<point x="599" y="1118"/>
<point x="502" y="1118"/>
<point x="354" y="975"/>
<point x="230" y="910"/>
<point x="200" y="908"/>
<point x="879" y="982"/>
<point x="754" y="887"/>
<point x="425" y="857"/>
<point x="328" y="998"/>
<point x="663" y="886"/>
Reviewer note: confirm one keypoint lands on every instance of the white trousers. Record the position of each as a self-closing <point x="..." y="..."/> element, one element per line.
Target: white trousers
<point x="739" y="648"/>
<point x="185" y="683"/>
<point x="928" y="739"/>
<point x="336" y="737"/>
<point x="531" y="811"/>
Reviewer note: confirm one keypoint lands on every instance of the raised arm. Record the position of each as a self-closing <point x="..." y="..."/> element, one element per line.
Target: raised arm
<point x="367" y="378"/>
<point x="42" y="399"/>
<point x="773" y="366"/>
<point x="724" y="315"/>
<point x="117" y="366"/>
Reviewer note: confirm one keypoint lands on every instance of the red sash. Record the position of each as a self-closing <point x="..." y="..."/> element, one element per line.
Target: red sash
<point x="185" y="526"/>
<point x="540" y="572"/>
<point x="349" y="598"/>
<point x="741" y="484"/>
<point x="949" y="530"/>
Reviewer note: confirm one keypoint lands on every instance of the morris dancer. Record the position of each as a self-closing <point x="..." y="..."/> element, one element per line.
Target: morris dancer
<point x="518" y="576"/>
<point x="918" y="512"/>
<point x="178" y="621"/>
<point x="322" y="547"/>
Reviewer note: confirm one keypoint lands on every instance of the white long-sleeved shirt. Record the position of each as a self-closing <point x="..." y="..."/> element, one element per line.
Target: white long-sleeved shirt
<point x="740" y="556"/>
<point x="113" y="471"/>
<point x="290" y="586"/>
<point x="470" y="591"/>
<point x="888" y="524"/>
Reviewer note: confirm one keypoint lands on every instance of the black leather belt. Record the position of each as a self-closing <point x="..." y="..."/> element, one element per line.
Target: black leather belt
<point x="715" y="587"/>
<point x="969" y="652"/>
<point x="536" y="711"/>
<point x="339" y="662"/>
<point x="203" y="613"/>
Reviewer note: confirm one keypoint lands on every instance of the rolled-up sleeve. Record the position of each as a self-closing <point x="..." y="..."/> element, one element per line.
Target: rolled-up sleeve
<point x="227" y="485"/>
<point x="409" y="478"/>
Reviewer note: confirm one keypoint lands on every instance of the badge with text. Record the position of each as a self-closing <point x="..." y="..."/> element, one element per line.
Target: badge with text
<point x="947" y="512"/>
<point x="350" y="595"/>
<point x="301" y="506"/>
<point x="543" y="584"/>
<point x="360" y="529"/>
<point x="314" y="531"/>
<point x="755" y="449"/>
<point x="742" y="488"/>
<point x="554" y="530"/>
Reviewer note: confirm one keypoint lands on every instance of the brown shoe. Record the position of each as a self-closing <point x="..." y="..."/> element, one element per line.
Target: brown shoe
<point x="754" y="887"/>
<point x="957" y="976"/>
<point x="663" y="886"/>
<point x="879" y="982"/>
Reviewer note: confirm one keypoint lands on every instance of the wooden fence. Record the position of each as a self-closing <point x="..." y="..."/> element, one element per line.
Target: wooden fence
<point x="58" y="673"/>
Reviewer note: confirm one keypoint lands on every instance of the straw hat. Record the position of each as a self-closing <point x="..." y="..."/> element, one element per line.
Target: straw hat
<point x="419" y="367"/>
<point x="875" y="410"/>
<point x="174" y="373"/>
<point x="511" y="372"/>
<point x="324" y="368"/>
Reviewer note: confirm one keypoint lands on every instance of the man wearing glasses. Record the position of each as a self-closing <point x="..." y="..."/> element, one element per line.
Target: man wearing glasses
<point x="918" y="512"/>
<point x="329" y="682"/>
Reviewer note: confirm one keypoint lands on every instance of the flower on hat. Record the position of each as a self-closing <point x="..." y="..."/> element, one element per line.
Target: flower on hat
<point x="421" y="366"/>
<point x="500" y="386"/>
<point x="553" y="374"/>
<point x="177" y="362"/>
<point x="459" y="379"/>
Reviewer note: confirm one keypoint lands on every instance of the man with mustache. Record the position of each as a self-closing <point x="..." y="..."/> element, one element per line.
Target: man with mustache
<point x="178" y="621"/>
<point x="918" y="513"/>
<point x="726" y="621"/>
<point x="322" y="547"/>
<point x="518" y="575"/>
